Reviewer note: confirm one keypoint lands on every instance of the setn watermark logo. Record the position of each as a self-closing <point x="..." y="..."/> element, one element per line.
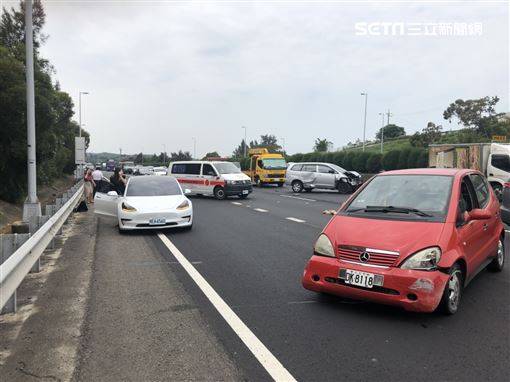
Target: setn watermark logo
<point x="418" y="29"/>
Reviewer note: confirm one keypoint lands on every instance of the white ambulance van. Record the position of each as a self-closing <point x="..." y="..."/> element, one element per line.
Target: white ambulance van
<point x="220" y="179"/>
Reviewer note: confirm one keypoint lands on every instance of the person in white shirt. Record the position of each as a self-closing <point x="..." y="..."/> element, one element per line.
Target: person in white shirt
<point x="97" y="175"/>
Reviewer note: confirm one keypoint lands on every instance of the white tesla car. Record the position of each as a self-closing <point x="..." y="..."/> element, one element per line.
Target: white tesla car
<point x="149" y="202"/>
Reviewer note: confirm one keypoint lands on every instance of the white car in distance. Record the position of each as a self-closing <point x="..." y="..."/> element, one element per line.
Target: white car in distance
<point x="149" y="202"/>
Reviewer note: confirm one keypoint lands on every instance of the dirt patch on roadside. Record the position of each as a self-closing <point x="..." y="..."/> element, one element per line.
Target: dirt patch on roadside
<point x="11" y="212"/>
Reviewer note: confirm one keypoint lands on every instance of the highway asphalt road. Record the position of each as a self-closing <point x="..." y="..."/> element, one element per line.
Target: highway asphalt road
<point x="253" y="252"/>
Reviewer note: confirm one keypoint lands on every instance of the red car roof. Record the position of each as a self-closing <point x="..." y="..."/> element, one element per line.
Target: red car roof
<point x="428" y="171"/>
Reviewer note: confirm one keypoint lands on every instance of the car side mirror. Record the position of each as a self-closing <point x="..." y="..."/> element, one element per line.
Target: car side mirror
<point x="112" y="193"/>
<point x="479" y="214"/>
<point x="187" y="191"/>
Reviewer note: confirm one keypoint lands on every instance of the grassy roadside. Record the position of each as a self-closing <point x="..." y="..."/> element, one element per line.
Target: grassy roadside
<point x="11" y="212"/>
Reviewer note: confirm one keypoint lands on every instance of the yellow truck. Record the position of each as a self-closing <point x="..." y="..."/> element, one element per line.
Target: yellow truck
<point x="266" y="168"/>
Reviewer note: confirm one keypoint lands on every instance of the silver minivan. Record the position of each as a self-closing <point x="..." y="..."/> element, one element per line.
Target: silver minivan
<point x="310" y="175"/>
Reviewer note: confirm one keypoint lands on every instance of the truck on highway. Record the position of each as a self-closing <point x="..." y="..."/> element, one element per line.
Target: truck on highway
<point x="492" y="159"/>
<point x="266" y="168"/>
<point x="110" y="165"/>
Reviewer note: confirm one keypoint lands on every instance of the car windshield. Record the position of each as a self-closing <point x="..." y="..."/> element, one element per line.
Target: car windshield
<point x="274" y="164"/>
<point x="226" y="168"/>
<point x="153" y="186"/>
<point x="421" y="196"/>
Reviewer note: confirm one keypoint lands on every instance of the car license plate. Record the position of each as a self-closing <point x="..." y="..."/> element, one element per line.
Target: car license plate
<point x="362" y="279"/>
<point x="157" y="221"/>
<point x="245" y="192"/>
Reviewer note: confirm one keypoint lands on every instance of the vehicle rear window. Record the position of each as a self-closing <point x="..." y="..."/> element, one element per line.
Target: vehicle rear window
<point x="186" y="168"/>
<point x="153" y="186"/>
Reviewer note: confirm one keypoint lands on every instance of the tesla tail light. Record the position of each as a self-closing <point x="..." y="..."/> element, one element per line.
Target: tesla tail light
<point x="324" y="247"/>
<point x="183" y="206"/>
<point x="424" y="260"/>
<point x="127" y="208"/>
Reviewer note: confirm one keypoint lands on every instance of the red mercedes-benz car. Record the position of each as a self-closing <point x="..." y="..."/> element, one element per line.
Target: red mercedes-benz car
<point x="410" y="238"/>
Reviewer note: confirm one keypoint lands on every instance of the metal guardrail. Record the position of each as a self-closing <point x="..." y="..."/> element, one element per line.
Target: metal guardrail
<point x="28" y="248"/>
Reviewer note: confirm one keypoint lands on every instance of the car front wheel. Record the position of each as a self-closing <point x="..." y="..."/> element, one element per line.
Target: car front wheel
<point x="297" y="186"/>
<point x="219" y="193"/>
<point x="344" y="188"/>
<point x="453" y="291"/>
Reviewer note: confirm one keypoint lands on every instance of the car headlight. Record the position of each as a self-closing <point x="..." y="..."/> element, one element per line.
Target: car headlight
<point x="424" y="260"/>
<point x="324" y="247"/>
<point x="183" y="206"/>
<point x="127" y="208"/>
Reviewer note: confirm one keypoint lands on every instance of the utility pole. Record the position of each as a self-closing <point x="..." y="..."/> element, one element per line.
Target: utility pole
<point x="365" y="120"/>
<point x="382" y="130"/>
<point x="245" y="143"/>
<point x="31" y="207"/>
<point x="80" y="172"/>
<point x="389" y="115"/>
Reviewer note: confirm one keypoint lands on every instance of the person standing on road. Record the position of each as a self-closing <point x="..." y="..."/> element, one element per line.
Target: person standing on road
<point x="89" y="186"/>
<point x="118" y="181"/>
<point x="97" y="176"/>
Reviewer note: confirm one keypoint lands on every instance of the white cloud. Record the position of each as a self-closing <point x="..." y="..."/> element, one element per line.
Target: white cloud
<point x="165" y="72"/>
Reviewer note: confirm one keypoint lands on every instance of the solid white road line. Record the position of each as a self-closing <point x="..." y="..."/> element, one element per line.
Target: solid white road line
<point x="237" y="203"/>
<point x="275" y="369"/>
<point x="296" y="220"/>
<point x="297" y="197"/>
<point x="260" y="210"/>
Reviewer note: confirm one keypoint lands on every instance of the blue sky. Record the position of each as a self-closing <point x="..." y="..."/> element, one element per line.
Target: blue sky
<point x="164" y="72"/>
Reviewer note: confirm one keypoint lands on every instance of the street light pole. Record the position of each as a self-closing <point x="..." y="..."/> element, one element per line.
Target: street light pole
<point x="245" y="143"/>
<point x="79" y="102"/>
<point x="31" y="207"/>
<point x="365" y="119"/>
<point x="382" y="131"/>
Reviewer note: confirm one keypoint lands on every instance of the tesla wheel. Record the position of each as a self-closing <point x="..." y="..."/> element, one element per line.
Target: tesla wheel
<point x="297" y="186"/>
<point x="498" y="263"/>
<point x="219" y="193"/>
<point x="453" y="291"/>
<point x="344" y="188"/>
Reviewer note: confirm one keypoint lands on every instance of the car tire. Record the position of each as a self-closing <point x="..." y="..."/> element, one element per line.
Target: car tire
<point x="452" y="291"/>
<point x="344" y="188"/>
<point x="219" y="193"/>
<point x="497" y="264"/>
<point x="297" y="186"/>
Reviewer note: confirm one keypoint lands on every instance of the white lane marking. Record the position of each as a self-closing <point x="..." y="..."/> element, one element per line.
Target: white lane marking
<point x="275" y="369"/>
<point x="237" y="203"/>
<point x="296" y="220"/>
<point x="297" y="197"/>
<point x="260" y="210"/>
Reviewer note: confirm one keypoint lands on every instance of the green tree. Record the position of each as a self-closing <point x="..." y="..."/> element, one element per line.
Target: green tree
<point x="241" y="150"/>
<point x="390" y="160"/>
<point x="374" y="163"/>
<point x="268" y="141"/>
<point x="55" y="131"/>
<point x="180" y="156"/>
<point x="476" y="114"/>
<point x="391" y="131"/>
<point x="322" y="145"/>
<point x="212" y="154"/>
